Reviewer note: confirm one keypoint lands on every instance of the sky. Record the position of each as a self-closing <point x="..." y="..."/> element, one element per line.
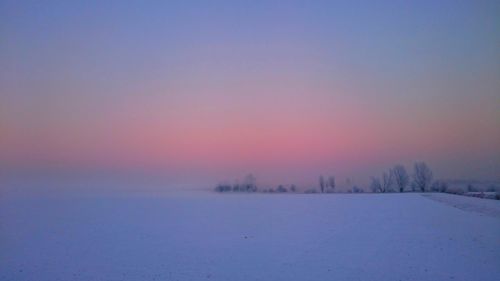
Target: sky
<point x="203" y="91"/>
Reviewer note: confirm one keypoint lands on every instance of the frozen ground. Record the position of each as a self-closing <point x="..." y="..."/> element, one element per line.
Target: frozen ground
<point x="246" y="237"/>
<point x="487" y="207"/>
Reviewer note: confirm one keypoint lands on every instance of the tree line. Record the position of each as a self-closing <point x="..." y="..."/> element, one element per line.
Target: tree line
<point x="396" y="179"/>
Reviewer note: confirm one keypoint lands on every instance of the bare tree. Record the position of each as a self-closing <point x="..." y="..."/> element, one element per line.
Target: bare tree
<point x="439" y="186"/>
<point x="492" y="188"/>
<point x="472" y="188"/>
<point x="249" y="184"/>
<point x="223" y="187"/>
<point x="356" y="189"/>
<point x="322" y="184"/>
<point x="387" y="181"/>
<point x="236" y="187"/>
<point x="422" y="176"/>
<point x="331" y="184"/>
<point x="401" y="177"/>
<point x="375" y="185"/>
<point x="281" y="188"/>
<point x="293" y="188"/>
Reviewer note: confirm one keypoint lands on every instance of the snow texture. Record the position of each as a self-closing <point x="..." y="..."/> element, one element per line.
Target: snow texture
<point x="234" y="237"/>
<point x="486" y="207"/>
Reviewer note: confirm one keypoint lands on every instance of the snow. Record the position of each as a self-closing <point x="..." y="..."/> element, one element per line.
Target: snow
<point x="208" y="236"/>
<point x="471" y="204"/>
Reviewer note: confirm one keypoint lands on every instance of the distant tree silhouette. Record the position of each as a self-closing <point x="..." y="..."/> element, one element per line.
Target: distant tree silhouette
<point x="439" y="186"/>
<point x="281" y="188"/>
<point x="422" y="176"/>
<point x="401" y="177"/>
<point x="322" y="184"/>
<point x="249" y="184"/>
<point x="331" y="184"/>
<point x="375" y="185"/>
<point x="356" y="189"/>
<point x="492" y="188"/>
<point x="413" y="186"/>
<point x="236" y="187"/>
<point x="471" y="188"/>
<point x="223" y="187"/>
<point x="387" y="181"/>
<point x="396" y="178"/>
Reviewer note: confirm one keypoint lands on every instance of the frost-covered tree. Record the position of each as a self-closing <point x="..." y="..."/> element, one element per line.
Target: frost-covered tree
<point x="387" y="181"/>
<point x="413" y="186"/>
<point x="223" y="187"/>
<point x="439" y="186"/>
<point x="322" y="184"/>
<point x="281" y="188"/>
<point x="249" y="183"/>
<point x="331" y="184"/>
<point x="293" y="188"/>
<point x="471" y="188"/>
<point x="422" y="176"/>
<point x="401" y="177"/>
<point x="492" y="188"/>
<point x="375" y="185"/>
<point x="356" y="189"/>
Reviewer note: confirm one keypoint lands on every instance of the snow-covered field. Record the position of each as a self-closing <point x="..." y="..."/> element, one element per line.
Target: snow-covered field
<point x="207" y="236"/>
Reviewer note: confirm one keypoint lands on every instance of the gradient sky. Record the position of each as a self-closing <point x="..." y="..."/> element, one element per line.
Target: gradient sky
<point x="211" y="90"/>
